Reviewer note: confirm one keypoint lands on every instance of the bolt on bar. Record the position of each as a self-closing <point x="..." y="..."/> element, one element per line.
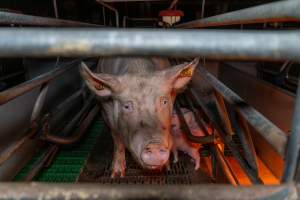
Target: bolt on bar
<point x="283" y="45"/>
<point x="30" y="20"/>
<point x="272" y="134"/>
<point x="281" y="11"/>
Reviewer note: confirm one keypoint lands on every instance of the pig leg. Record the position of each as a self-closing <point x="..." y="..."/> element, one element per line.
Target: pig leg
<point x="196" y="156"/>
<point x="119" y="161"/>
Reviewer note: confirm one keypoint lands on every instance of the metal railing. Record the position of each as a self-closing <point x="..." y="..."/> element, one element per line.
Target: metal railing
<point x="281" y="11"/>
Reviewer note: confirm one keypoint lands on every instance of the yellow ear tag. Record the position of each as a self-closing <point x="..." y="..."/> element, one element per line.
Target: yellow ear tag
<point x="99" y="86"/>
<point x="188" y="72"/>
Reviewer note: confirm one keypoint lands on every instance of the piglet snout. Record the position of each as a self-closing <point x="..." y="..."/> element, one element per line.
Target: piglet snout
<point x="155" y="155"/>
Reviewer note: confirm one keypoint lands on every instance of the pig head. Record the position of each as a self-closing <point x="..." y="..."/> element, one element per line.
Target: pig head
<point x="138" y="106"/>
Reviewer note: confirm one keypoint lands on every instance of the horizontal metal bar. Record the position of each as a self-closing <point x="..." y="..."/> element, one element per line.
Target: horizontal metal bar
<point x="20" y="89"/>
<point x="96" y="191"/>
<point x="273" y="135"/>
<point x="16" y="42"/>
<point x="280" y="11"/>
<point x="30" y="20"/>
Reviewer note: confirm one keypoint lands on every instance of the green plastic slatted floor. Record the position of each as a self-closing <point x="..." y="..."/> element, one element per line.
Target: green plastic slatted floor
<point x="68" y="164"/>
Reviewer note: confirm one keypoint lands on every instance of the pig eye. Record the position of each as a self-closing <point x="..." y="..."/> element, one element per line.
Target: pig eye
<point x="128" y="106"/>
<point x="164" y="101"/>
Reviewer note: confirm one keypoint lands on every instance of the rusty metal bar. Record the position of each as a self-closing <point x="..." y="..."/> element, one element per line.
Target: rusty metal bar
<point x="91" y="191"/>
<point x="273" y="135"/>
<point x="18" y="90"/>
<point x="216" y="44"/>
<point x="293" y="144"/>
<point x="79" y="132"/>
<point x="30" y="20"/>
<point x="112" y="9"/>
<point x="281" y="11"/>
<point x="229" y="143"/>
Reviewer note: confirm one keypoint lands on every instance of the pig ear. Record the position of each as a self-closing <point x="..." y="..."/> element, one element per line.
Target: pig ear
<point x="180" y="75"/>
<point x="101" y="84"/>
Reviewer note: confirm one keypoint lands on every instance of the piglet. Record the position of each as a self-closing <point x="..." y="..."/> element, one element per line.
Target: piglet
<point x="181" y="142"/>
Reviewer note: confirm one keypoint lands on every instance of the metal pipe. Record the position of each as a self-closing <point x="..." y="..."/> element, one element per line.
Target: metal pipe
<point x="16" y="42"/>
<point x="7" y="153"/>
<point x="281" y="11"/>
<point x="187" y="131"/>
<point x="39" y="103"/>
<point x="30" y="20"/>
<point x="20" y="89"/>
<point x="229" y="143"/>
<point x="94" y="191"/>
<point x="55" y="8"/>
<point x="271" y="133"/>
<point x="174" y="2"/>
<point x="202" y="8"/>
<point x="103" y="12"/>
<point x="225" y="166"/>
<point x="52" y="150"/>
<point x="67" y="140"/>
<point x="111" y="8"/>
<point x="293" y="145"/>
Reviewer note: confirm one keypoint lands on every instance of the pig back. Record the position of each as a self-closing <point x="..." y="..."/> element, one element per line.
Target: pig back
<point x="137" y="65"/>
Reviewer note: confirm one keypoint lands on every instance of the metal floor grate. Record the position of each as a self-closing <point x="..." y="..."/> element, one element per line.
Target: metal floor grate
<point x="98" y="169"/>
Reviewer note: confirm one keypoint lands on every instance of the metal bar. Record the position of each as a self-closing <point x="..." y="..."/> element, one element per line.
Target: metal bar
<point x="187" y="131"/>
<point x="111" y="8"/>
<point x="202" y="8"/>
<point x="7" y="153"/>
<point x="67" y="140"/>
<point x="55" y="8"/>
<point x="52" y="150"/>
<point x="281" y="11"/>
<point x="223" y="112"/>
<point x="225" y="167"/>
<point x="174" y="2"/>
<point x="18" y="90"/>
<point x="229" y="143"/>
<point x="293" y="145"/>
<point x="93" y="191"/>
<point x="16" y="42"/>
<point x="272" y="134"/>
<point x="246" y="141"/>
<point x="30" y="20"/>
<point x="39" y="103"/>
<point x="103" y="12"/>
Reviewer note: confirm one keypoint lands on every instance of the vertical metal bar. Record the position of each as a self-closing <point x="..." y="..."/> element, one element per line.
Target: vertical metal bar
<point x="293" y="144"/>
<point x="202" y="8"/>
<point x="111" y="8"/>
<point x="104" y="17"/>
<point x="55" y="9"/>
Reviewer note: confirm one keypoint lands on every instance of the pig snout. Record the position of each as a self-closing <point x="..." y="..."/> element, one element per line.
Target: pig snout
<point x="155" y="155"/>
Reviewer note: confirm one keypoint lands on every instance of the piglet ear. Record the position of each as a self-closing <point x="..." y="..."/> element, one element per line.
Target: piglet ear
<point x="101" y="84"/>
<point x="178" y="76"/>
